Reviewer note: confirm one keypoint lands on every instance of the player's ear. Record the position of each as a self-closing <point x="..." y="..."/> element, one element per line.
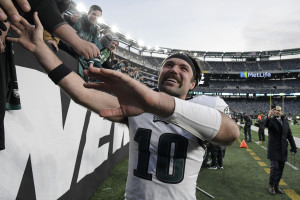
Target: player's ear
<point x="193" y="84"/>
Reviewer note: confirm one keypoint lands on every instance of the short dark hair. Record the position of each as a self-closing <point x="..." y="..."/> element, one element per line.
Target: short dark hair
<point x="95" y="7"/>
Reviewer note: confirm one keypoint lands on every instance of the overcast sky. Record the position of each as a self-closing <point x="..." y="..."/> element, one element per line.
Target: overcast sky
<point x="206" y="25"/>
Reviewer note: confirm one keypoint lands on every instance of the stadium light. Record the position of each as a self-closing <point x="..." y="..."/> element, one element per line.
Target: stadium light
<point x="156" y="48"/>
<point x="114" y="29"/>
<point x="128" y="37"/>
<point x="81" y="7"/>
<point x="140" y="43"/>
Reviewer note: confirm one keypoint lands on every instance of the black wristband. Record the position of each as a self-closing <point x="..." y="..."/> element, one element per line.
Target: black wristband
<point x="59" y="73"/>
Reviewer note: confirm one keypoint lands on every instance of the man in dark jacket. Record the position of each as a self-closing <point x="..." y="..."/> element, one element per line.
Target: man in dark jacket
<point x="247" y="127"/>
<point x="279" y="132"/>
<point x="261" y="128"/>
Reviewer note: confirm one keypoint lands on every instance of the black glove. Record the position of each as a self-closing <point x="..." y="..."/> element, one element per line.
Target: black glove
<point x="293" y="151"/>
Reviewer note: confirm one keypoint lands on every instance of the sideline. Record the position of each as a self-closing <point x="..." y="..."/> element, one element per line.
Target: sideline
<point x="292" y="194"/>
<point x="297" y="141"/>
<point x="255" y="128"/>
<point x="289" y="164"/>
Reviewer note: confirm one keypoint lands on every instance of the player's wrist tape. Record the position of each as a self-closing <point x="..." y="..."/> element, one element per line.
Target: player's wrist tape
<point x="59" y="73"/>
<point x="202" y="121"/>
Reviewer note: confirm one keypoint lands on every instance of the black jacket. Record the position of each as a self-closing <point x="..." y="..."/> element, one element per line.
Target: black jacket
<point x="278" y="136"/>
<point x="261" y="122"/>
<point x="248" y="121"/>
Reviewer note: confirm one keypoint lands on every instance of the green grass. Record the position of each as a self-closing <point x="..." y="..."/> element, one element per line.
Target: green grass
<point x="242" y="177"/>
<point x="295" y="130"/>
<point x="113" y="188"/>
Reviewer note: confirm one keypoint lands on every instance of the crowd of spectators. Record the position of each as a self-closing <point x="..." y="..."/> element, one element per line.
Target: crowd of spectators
<point x="217" y="66"/>
<point x="272" y="65"/>
<point x="243" y="91"/>
<point x="266" y="84"/>
<point x="87" y="28"/>
<point x="254" y="106"/>
<point x="145" y="67"/>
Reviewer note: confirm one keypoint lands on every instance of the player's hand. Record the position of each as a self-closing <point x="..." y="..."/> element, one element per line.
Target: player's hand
<point x="122" y="86"/>
<point x="10" y="9"/>
<point x="134" y="98"/>
<point x="31" y="37"/>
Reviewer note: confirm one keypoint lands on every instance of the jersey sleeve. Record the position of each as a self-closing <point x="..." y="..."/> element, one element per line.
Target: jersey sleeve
<point x="222" y="106"/>
<point x="202" y="121"/>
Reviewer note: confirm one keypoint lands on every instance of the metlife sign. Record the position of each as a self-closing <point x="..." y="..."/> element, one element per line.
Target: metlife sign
<point x="255" y="74"/>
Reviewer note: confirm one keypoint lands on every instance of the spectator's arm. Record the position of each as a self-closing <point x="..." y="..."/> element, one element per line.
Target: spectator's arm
<point x="71" y="19"/>
<point x="49" y="14"/>
<point x="31" y="38"/>
<point x="68" y="35"/>
<point x="53" y="22"/>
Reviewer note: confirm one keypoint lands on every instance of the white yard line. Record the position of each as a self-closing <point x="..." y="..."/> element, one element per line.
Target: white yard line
<point x="289" y="164"/>
<point x="297" y="141"/>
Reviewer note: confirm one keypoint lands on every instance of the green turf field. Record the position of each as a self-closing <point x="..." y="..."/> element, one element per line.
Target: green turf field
<point x="295" y="130"/>
<point x="243" y="178"/>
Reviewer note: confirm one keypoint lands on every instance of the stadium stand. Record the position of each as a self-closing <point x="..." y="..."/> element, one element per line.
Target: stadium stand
<point x="224" y="73"/>
<point x="256" y="106"/>
<point x="224" y="77"/>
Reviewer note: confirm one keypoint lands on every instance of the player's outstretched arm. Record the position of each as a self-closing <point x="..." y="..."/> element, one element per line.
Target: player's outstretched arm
<point x="31" y="38"/>
<point x="228" y="133"/>
<point x="134" y="98"/>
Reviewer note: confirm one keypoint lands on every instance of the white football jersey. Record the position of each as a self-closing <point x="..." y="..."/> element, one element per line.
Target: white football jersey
<point x="164" y="159"/>
<point x="213" y="102"/>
